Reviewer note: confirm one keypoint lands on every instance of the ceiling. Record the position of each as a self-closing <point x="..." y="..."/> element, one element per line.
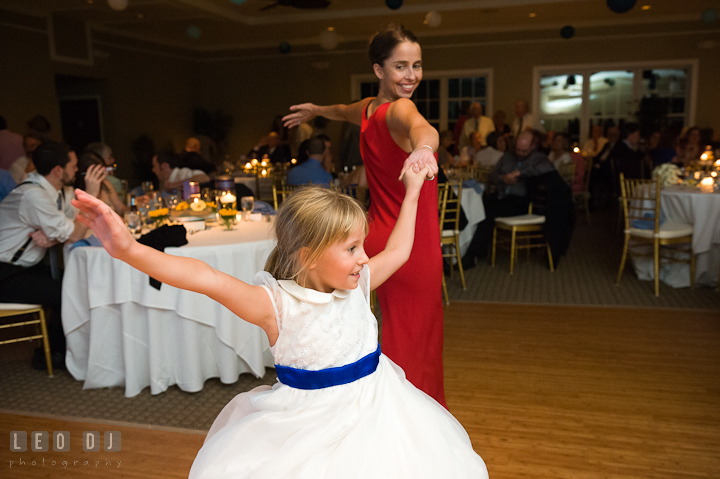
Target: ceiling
<point x="217" y="25"/>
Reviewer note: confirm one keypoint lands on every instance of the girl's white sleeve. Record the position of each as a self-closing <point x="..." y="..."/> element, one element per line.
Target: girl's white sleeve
<point x="271" y="286"/>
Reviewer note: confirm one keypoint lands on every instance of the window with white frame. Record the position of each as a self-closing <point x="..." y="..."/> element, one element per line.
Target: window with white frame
<point x="573" y="98"/>
<point x="441" y="96"/>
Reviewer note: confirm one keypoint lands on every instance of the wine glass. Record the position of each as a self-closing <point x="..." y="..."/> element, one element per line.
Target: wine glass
<point x="132" y="221"/>
<point x="247" y="203"/>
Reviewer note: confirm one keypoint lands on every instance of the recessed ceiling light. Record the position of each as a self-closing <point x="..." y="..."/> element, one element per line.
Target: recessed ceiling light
<point x="646" y="7"/>
<point x="532" y="15"/>
<point x="140" y="15"/>
<point x="90" y="2"/>
<point x="331" y="29"/>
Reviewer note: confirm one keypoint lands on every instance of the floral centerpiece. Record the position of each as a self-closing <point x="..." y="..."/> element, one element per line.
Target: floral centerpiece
<point x="668" y="174"/>
<point x="182" y="206"/>
<point x="228" y="216"/>
<point x="159" y="216"/>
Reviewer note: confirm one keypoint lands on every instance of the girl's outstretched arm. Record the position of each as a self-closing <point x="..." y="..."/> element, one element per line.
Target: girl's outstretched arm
<point x="249" y="302"/>
<point x="307" y="111"/>
<point x="400" y="243"/>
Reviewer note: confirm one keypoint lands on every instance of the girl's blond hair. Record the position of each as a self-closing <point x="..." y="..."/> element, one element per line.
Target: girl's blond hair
<point x="312" y="218"/>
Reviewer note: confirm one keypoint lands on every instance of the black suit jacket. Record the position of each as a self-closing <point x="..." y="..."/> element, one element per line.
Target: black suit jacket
<point x="281" y="154"/>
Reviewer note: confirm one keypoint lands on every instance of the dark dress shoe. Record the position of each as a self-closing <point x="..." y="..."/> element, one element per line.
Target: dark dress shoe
<point x="57" y="359"/>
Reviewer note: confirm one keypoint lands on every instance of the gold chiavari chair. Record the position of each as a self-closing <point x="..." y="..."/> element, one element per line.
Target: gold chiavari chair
<point x="282" y="191"/>
<point x="526" y="232"/>
<point x="360" y="193"/>
<point x="643" y="225"/>
<point x="449" y="228"/>
<point x="567" y="173"/>
<point x="582" y="198"/>
<point x="482" y="173"/>
<point x="14" y="309"/>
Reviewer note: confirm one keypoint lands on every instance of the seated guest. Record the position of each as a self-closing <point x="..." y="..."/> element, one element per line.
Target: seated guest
<point x="468" y="153"/>
<point x="507" y="193"/>
<point x="194" y="161"/>
<point x="444" y="151"/>
<point x="107" y="193"/>
<point x="171" y="176"/>
<point x="104" y="152"/>
<point x="596" y="142"/>
<point x="497" y="144"/>
<point x="500" y="125"/>
<point x="692" y="147"/>
<point x="476" y="122"/>
<point x="559" y="151"/>
<point x="7" y="183"/>
<point x="664" y="152"/>
<point x="34" y="217"/>
<point x="328" y="162"/>
<point x="626" y="155"/>
<point x="272" y="150"/>
<point x="24" y="165"/>
<point x="11" y="146"/>
<point x="311" y="170"/>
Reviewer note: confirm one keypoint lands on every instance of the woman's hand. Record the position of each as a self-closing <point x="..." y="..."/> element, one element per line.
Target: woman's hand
<point x="421" y="158"/>
<point x="107" y="226"/>
<point x="94" y="176"/>
<point x="303" y="112"/>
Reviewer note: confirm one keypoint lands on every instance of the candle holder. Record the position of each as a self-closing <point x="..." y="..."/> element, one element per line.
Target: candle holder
<point x="227" y="208"/>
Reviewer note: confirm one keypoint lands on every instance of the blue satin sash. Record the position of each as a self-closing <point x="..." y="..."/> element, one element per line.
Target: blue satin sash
<point x="325" y="378"/>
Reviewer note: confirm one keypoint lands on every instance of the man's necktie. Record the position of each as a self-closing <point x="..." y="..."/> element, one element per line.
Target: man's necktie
<point x="60" y="200"/>
<point x="54" y="261"/>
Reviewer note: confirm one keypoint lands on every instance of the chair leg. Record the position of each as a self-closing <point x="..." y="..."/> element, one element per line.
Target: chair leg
<point x="444" y="286"/>
<point x="692" y="268"/>
<point x="512" y="250"/>
<point x="459" y="261"/>
<point x="587" y="209"/>
<point x="550" y="259"/>
<point x="46" y="343"/>
<point x="492" y="261"/>
<point x="622" y="260"/>
<point x="657" y="267"/>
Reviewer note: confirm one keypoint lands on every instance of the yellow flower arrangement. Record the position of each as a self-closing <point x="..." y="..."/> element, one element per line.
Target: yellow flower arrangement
<point x="159" y="212"/>
<point x="228" y="215"/>
<point x="183" y="205"/>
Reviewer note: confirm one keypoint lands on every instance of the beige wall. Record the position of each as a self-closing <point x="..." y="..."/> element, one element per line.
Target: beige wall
<point x="152" y="93"/>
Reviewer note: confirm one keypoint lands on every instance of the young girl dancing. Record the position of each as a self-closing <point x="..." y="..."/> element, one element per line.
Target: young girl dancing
<point x="340" y="409"/>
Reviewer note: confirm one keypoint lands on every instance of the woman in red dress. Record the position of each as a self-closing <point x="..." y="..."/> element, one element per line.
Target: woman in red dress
<point x="395" y="137"/>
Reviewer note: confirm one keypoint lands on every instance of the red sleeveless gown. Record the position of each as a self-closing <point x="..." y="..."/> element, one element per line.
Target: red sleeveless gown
<point x="411" y="300"/>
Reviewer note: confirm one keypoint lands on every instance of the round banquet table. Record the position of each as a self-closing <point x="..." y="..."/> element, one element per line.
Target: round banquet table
<point x="689" y="205"/>
<point x="122" y="332"/>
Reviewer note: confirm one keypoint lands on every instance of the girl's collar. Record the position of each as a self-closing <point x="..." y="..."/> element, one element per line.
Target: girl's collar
<point x="311" y="295"/>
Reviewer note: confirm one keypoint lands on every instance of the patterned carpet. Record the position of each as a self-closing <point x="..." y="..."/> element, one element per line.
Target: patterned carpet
<point x="586" y="276"/>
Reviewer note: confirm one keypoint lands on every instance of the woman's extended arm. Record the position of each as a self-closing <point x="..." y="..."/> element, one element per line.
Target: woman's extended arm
<point x="307" y="111"/>
<point x="249" y="302"/>
<point x="399" y="244"/>
<point x="413" y="133"/>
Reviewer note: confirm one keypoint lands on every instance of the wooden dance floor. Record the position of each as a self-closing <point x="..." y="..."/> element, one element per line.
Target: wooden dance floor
<point x="543" y="391"/>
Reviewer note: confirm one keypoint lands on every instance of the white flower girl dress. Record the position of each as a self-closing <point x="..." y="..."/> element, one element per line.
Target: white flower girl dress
<point x="377" y="426"/>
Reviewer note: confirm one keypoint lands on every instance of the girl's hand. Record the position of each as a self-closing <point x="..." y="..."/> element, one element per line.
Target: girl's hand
<point x="107" y="226"/>
<point x="421" y="158"/>
<point x="94" y="176"/>
<point x="414" y="180"/>
<point x="303" y="112"/>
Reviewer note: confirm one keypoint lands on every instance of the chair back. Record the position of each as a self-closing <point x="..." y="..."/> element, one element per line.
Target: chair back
<point x="360" y="193"/>
<point x="282" y="191"/>
<point x="567" y="172"/>
<point x="641" y="203"/>
<point x="482" y="173"/>
<point x="449" y="205"/>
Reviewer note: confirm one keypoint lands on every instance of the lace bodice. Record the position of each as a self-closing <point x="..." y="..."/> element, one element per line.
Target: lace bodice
<point x="321" y="330"/>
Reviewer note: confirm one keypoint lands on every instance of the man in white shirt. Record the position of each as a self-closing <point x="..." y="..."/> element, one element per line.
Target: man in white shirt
<point x="165" y="167"/>
<point x="524" y="120"/>
<point x="34" y="217"/>
<point x="476" y="122"/>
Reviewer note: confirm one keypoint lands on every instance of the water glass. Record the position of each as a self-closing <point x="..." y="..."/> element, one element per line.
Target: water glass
<point x="172" y="201"/>
<point x="247" y="203"/>
<point x="132" y="221"/>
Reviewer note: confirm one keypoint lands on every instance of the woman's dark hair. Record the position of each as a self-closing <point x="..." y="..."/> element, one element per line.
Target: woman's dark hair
<point x="628" y="129"/>
<point x="169" y="157"/>
<point x="50" y="154"/>
<point x="492" y="139"/>
<point x="195" y="161"/>
<point x="384" y="42"/>
<point x="85" y="161"/>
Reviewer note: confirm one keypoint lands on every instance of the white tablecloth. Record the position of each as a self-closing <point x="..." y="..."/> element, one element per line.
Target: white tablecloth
<point x="472" y="204"/>
<point x="702" y="210"/>
<point x="122" y="332"/>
